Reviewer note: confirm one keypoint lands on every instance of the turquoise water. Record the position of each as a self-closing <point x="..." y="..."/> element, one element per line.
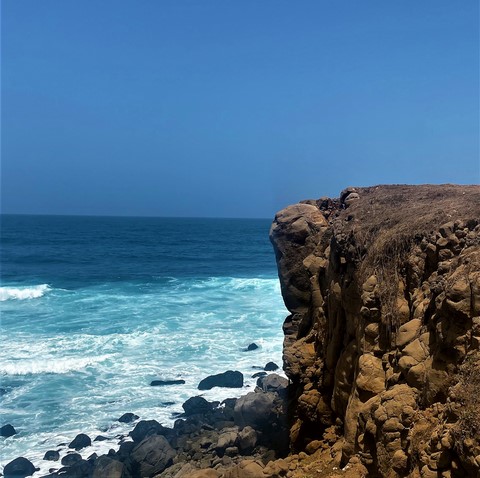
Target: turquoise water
<point x="94" y="309"/>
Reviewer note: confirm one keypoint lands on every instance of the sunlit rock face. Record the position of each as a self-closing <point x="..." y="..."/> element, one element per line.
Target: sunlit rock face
<point x="382" y="341"/>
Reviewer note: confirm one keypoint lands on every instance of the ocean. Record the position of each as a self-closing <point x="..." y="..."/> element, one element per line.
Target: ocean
<point x="95" y="308"/>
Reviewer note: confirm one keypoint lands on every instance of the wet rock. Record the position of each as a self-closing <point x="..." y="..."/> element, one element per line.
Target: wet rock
<point x="52" y="455"/>
<point x="271" y="367"/>
<point x="80" y="441"/>
<point x="252" y="346"/>
<point x="7" y="431"/>
<point x="146" y="428"/>
<point x="19" y="468"/>
<point x="127" y="418"/>
<point x="259" y="374"/>
<point x="228" y="379"/>
<point x="197" y="405"/>
<point x="163" y="383"/>
<point x="71" y="458"/>
<point x="100" y="438"/>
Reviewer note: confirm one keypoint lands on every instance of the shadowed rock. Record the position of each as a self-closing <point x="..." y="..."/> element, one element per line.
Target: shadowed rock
<point x="229" y="379"/>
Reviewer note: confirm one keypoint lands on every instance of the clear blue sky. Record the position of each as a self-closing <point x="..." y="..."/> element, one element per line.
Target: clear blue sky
<point x="232" y="108"/>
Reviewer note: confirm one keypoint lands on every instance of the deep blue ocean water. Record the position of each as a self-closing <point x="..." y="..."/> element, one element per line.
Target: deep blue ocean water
<point x="94" y="308"/>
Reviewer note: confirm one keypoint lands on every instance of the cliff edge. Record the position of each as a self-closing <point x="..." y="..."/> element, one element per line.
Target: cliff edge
<point x="382" y="341"/>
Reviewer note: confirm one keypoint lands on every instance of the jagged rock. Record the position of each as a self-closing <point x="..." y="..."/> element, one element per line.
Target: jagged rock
<point x="126" y="418"/>
<point x="19" y="468"/>
<point x="7" y="431"/>
<point x="80" y="441"/>
<point x="152" y="455"/>
<point x="229" y="379"/>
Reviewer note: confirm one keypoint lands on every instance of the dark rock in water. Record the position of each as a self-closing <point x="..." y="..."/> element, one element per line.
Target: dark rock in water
<point x="229" y="379"/>
<point x="166" y="404"/>
<point x="162" y="383"/>
<point x="7" y="431"/>
<point x="151" y="456"/>
<point x="197" y="405"/>
<point x="146" y="428"/>
<point x="52" y="455"/>
<point x="100" y="438"/>
<point x="19" y="468"/>
<point x="108" y="467"/>
<point x="273" y="383"/>
<point x="92" y="457"/>
<point x="270" y="367"/>
<point x="259" y="374"/>
<point x="80" y="441"/>
<point x="128" y="418"/>
<point x="71" y="459"/>
<point x="252" y="346"/>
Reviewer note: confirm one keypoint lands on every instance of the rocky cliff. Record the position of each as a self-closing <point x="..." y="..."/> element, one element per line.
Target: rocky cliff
<point x="382" y="341"/>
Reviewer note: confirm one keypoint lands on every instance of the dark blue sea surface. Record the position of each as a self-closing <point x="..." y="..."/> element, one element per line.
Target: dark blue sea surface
<point x="95" y="308"/>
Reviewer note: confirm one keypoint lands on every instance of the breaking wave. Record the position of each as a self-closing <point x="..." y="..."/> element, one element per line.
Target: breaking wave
<point x="23" y="293"/>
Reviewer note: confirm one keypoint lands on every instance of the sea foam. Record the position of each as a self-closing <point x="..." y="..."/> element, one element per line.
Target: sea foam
<point x="23" y="293"/>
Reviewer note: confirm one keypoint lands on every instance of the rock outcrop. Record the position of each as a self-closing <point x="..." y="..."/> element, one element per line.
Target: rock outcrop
<point x="382" y="341"/>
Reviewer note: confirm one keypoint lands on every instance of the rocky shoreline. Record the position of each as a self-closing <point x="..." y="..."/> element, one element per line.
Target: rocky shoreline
<point x="208" y="440"/>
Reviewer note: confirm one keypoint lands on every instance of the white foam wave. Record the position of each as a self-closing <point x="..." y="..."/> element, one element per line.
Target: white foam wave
<point x="50" y="365"/>
<point x="23" y="293"/>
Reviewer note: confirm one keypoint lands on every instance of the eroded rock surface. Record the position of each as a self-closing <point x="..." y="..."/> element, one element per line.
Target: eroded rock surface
<point x="382" y="344"/>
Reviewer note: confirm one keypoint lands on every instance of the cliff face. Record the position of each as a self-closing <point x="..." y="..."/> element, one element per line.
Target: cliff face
<point x="382" y="341"/>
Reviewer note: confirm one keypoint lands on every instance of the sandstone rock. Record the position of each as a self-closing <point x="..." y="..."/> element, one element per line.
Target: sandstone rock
<point x="245" y="469"/>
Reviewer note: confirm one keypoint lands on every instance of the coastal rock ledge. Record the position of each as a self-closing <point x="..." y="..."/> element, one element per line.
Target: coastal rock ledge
<point x="382" y="342"/>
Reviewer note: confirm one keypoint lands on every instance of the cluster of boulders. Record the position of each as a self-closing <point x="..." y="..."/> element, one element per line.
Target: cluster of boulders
<point x="208" y="435"/>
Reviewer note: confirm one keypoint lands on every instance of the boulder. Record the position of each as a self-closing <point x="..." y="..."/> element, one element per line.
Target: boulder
<point x="52" y="455"/>
<point x="70" y="459"/>
<point x="126" y="418"/>
<point x="80" y="441"/>
<point x="271" y="367"/>
<point x="106" y="467"/>
<point x="151" y="456"/>
<point x="245" y="469"/>
<point x="7" y="431"/>
<point x="197" y="405"/>
<point x="228" y="379"/>
<point x="146" y="428"/>
<point x="162" y="383"/>
<point x="273" y="383"/>
<point x="254" y="409"/>
<point x="252" y="346"/>
<point x="19" y="468"/>
<point x="247" y="440"/>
